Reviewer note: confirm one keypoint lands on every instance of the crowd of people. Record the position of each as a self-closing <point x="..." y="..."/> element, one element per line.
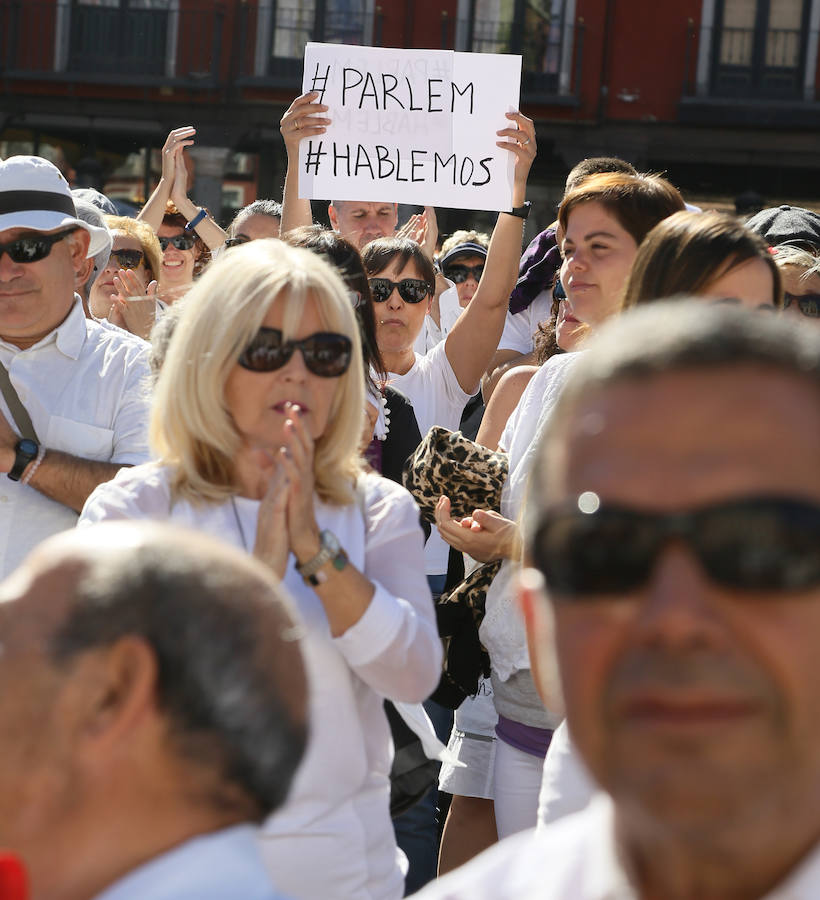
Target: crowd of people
<point x="247" y="694"/>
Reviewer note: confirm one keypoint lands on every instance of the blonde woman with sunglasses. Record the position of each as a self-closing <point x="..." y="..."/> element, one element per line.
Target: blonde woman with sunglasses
<point x="256" y="426"/>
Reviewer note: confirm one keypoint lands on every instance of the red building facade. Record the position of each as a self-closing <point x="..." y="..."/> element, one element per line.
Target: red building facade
<point x="720" y="94"/>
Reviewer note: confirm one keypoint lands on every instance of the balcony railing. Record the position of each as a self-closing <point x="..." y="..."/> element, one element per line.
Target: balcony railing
<point x="745" y="63"/>
<point x="64" y="41"/>
<point x="61" y="40"/>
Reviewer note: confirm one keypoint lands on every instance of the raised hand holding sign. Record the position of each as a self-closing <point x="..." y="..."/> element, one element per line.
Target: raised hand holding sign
<point x="414" y="126"/>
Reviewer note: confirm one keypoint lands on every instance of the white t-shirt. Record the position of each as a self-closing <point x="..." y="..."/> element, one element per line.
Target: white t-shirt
<point x="87" y="391"/>
<point x="502" y="630"/>
<point x="520" y="327"/>
<point x="334" y="836"/>
<point x="433" y="390"/>
<point x="449" y="310"/>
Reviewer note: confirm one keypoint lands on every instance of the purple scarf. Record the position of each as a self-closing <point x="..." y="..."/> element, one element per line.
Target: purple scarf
<point x="536" y="272"/>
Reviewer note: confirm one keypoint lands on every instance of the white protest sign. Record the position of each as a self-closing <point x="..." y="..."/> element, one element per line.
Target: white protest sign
<point x="410" y="126"/>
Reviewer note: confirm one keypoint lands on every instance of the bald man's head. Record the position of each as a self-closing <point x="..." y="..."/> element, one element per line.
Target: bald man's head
<point x="141" y="651"/>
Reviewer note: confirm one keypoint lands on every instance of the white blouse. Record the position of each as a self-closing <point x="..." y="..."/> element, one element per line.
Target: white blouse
<point x="502" y="630"/>
<point x="334" y="837"/>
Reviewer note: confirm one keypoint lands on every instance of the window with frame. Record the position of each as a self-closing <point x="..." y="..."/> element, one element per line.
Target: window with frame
<point x="295" y="22"/>
<point x="760" y="48"/>
<point x="532" y="28"/>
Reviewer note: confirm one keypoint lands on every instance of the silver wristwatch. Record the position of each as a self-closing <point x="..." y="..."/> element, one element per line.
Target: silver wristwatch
<point x="329" y="550"/>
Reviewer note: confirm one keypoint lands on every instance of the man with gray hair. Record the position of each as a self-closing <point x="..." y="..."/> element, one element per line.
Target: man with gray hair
<point x="158" y="712"/>
<point x="674" y="545"/>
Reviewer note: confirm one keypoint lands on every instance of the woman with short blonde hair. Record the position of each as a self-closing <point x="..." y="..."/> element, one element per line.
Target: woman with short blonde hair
<point x="191" y="427"/>
<point x="258" y="414"/>
<point x="131" y="271"/>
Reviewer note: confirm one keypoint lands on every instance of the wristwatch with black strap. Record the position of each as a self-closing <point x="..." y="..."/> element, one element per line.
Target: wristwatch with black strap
<point x="330" y="550"/>
<point x="25" y="451"/>
<point x="522" y="212"/>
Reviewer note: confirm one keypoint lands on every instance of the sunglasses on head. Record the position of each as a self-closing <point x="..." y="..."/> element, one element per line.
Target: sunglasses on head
<point x="33" y="247"/>
<point x="180" y="241"/>
<point x="128" y="259"/>
<point x="325" y="353"/>
<point x="751" y="544"/>
<point x="459" y="274"/>
<point x="411" y="290"/>
<point x="809" y="304"/>
<point x="236" y="241"/>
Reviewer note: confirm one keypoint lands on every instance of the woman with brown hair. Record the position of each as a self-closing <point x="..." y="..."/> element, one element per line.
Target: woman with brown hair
<point x="711" y="255"/>
<point x="603" y="221"/>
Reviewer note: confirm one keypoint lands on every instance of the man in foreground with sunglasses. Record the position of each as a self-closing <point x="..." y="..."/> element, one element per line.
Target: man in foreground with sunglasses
<point x="674" y="525"/>
<point x="73" y="402"/>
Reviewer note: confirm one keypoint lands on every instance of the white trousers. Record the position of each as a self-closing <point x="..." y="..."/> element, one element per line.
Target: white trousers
<point x="516" y="783"/>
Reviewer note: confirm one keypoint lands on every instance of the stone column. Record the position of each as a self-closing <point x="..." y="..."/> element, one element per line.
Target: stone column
<point x="208" y="176"/>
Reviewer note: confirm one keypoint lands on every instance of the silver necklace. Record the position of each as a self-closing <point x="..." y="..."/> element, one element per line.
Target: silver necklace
<point x="239" y="525"/>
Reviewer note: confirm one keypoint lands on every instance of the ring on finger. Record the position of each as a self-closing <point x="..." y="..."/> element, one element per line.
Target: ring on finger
<point x="524" y="143"/>
<point x="296" y="126"/>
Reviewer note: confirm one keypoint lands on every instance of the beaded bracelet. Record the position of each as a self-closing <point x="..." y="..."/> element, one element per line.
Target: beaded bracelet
<point x="34" y="466"/>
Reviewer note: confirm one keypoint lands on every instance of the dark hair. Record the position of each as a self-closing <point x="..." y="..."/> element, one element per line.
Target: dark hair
<point x="347" y="261"/>
<point x="597" y="165"/>
<point x="668" y="337"/>
<point x="637" y="202"/>
<point x="684" y="253"/>
<point x="173" y="218"/>
<point x="382" y="252"/>
<point x="232" y="697"/>
<point x="270" y="208"/>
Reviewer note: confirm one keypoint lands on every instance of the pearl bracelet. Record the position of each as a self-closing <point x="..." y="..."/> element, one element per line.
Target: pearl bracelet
<point x="34" y="466"/>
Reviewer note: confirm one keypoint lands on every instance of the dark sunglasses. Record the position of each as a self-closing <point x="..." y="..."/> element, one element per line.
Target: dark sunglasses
<point x="128" y="259"/>
<point x="751" y="544"/>
<point x="809" y="304"/>
<point x="236" y="241"/>
<point x="460" y="274"/>
<point x="411" y="290"/>
<point x="180" y="241"/>
<point x="325" y="353"/>
<point x="33" y="247"/>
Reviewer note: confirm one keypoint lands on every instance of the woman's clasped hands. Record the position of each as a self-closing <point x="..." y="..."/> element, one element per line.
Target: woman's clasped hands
<point x="287" y="521"/>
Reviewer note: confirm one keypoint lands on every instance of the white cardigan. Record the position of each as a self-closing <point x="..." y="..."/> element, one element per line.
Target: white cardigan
<point x="334" y="837"/>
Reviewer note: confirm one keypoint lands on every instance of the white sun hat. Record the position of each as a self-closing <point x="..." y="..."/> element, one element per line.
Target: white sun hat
<point x="34" y="195"/>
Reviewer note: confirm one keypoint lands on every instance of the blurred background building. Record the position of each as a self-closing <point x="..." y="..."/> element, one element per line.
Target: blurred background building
<point x="722" y="95"/>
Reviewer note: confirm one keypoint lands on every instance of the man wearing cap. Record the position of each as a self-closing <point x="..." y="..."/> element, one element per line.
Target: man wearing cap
<point x="792" y="225"/>
<point x="73" y="404"/>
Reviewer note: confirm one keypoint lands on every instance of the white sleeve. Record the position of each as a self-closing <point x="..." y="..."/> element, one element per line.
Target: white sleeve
<point x="131" y="419"/>
<point x="456" y="396"/>
<point x="139" y="493"/>
<point x="518" y="332"/>
<point x="395" y="647"/>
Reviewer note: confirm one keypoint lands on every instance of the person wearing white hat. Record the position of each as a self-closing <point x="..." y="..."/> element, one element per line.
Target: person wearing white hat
<point x="73" y="406"/>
